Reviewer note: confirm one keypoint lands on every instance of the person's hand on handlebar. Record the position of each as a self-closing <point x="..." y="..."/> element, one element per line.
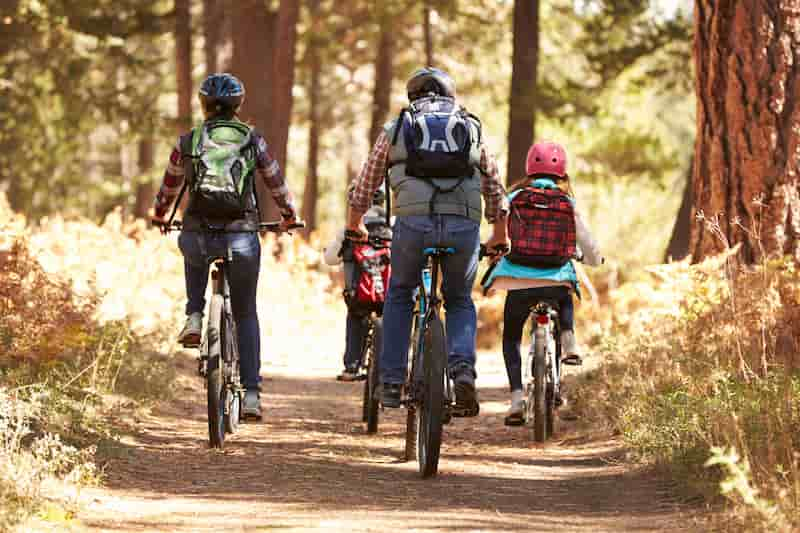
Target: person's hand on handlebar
<point x="288" y="222"/>
<point x="499" y="240"/>
<point x="356" y="227"/>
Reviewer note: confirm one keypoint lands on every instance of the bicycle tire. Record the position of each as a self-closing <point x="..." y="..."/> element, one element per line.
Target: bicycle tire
<point x="215" y="383"/>
<point x="411" y="434"/>
<point x="430" y="416"/>
<point x="539" y="394"/>
<point x="233" y="398"/>
<point x="373" y="378"/>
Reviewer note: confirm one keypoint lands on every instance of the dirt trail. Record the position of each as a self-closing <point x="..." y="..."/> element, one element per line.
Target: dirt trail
<point x="310" y="466"/>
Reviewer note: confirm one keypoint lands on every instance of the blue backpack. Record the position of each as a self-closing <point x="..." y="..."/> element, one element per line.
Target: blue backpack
<point x="438" y="138"/>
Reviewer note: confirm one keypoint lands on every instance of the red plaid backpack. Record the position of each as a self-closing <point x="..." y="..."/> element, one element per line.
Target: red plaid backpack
<point x="541" y="227"/>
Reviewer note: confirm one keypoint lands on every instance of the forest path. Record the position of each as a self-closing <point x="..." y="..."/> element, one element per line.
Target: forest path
<point x="309" y="466"/>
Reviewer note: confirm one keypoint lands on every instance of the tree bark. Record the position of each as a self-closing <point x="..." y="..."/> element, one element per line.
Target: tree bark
<point x="746" y="184"/>
<point x="522" y="112"/>
<point x="427" y="31"/>
<point x="253" y="34"/>
<point x="384" y="72"/>
<point x="678" y="247"/>
<point x="183" y="63"/>
<point x="311" y="191"/>
<point x="145" y="190"/>
<point x="213" y="25"/>
<point x="283" y="77"/>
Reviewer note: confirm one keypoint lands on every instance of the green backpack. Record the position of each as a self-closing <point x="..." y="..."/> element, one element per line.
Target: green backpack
<point x="224" y="156"/>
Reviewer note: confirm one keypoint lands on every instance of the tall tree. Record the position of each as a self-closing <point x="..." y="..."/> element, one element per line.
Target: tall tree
<point x="311" y="191"/>
<point x="678" y="247"/>
<point x="213" y="25"/>
<point x="384" y="72"/>
<point x="183" y="63"/>
<point x="283" y="77"/>
<point x="145" y="190"/>
<point x="748" y="84"/>
<point x="252" y="30"/>
<point x="522" y="106"/>
<point x="427" y="32"/>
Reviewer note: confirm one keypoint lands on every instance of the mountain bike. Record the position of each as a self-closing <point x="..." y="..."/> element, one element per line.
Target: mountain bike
<point x="543" y="367"/>
<point x="372" y="340"/>
<point x="218" y="362"/>
<point x="428" y="390"/>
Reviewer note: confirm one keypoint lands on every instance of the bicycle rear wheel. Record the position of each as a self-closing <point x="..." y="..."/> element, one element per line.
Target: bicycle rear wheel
<point x="215" y="380"/>
<point x="539" y="396"/>
<point x="430" y="416"/>
<point x="373" y="377"/>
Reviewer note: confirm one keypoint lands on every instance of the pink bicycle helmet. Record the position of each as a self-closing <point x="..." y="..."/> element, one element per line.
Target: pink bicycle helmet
<point x="546" y="158"/>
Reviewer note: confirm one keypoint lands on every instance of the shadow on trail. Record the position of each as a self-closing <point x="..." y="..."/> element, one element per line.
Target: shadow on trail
<point x="311" y="454"/>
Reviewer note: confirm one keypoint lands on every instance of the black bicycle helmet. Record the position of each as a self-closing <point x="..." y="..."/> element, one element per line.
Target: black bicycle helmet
<point x="221" y="94"/>
<point x="430" y="81"/>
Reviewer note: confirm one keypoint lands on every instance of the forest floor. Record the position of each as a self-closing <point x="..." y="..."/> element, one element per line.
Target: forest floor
<point x="310" y="466"/>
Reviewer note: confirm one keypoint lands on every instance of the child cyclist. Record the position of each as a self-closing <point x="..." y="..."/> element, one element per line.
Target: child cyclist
<point x="336" y="253"/>
<point x="544" y="227"/>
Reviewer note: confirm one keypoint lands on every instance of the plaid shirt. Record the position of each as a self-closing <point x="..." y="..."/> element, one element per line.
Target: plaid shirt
<point x="373" y="174"/>
<point x="267" y="169"/>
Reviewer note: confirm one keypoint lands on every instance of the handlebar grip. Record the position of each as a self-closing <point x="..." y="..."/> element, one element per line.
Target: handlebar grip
<point x="276" y="226"/>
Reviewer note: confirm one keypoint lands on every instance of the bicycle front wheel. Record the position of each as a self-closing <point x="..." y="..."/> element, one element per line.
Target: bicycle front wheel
<point x="431" y="411"/>
<point x="215" y="380"/>
<point x="373" y="377"/>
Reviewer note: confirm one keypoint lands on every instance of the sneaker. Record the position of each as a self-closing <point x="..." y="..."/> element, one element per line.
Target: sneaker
<point x="349" y="375"/>
<point x="391" y="395"/>
<point x="252" y="405"/>
<point x="192" y="331"/>
<point x="516" y="413"/>
<point x="569" y="349"/>
<point x="463" y="376"/>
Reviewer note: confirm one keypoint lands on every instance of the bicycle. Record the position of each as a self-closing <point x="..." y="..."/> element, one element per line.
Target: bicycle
<point x="218" y="362"/>
<point x="372" y="340"/>
<point x="543" y="367"/>
<point x="429" y="397"/>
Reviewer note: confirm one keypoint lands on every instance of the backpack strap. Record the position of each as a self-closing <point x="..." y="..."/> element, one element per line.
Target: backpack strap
<point x="188" y="144"/>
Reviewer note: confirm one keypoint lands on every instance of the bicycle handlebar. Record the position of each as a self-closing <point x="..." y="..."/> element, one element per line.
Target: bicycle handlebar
<point x="355" y="237"/>
<point x="274" y="227"/>
<point x="493" y="252"/>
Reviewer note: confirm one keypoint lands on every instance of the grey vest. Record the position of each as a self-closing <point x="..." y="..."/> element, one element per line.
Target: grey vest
<point x="412" y="196"/>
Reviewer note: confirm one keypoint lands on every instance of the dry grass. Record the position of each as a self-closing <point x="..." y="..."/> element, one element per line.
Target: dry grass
<point x="702" y="376"/>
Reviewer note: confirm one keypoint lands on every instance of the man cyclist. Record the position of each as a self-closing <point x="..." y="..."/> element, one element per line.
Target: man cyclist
<point x="437" y="169"/>
<point x="235" y="229"/>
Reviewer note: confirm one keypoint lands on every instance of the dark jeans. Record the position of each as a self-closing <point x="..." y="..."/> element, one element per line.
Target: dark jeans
<point x="242" y="273"/>
<point x="357" y="330"/>
<point x="411" y="235"/>
<point x="516" y="313"/>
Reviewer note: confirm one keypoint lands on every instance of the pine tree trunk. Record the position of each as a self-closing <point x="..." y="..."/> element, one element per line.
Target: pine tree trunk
<point x="427" y="31"/>
<point x="522" y="113"/>
<point x="145" y="190"/>
<point x="183" y="63"/>
<point x="384" y="71"/>
<point x="213" y="25"/>
<point x="748" y="141"/>
<point x="311" y="191"/>
<point x="283" y="77"/>
<point x="253" y="34"/>
<point x="678" y="247"/>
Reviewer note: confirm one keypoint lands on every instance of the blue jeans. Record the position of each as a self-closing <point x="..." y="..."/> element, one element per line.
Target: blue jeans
<point x="412" y="234"/>
<point x="516" y="313"/>
<point x="354" y="341"/>
<point x="242" y="273"/>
